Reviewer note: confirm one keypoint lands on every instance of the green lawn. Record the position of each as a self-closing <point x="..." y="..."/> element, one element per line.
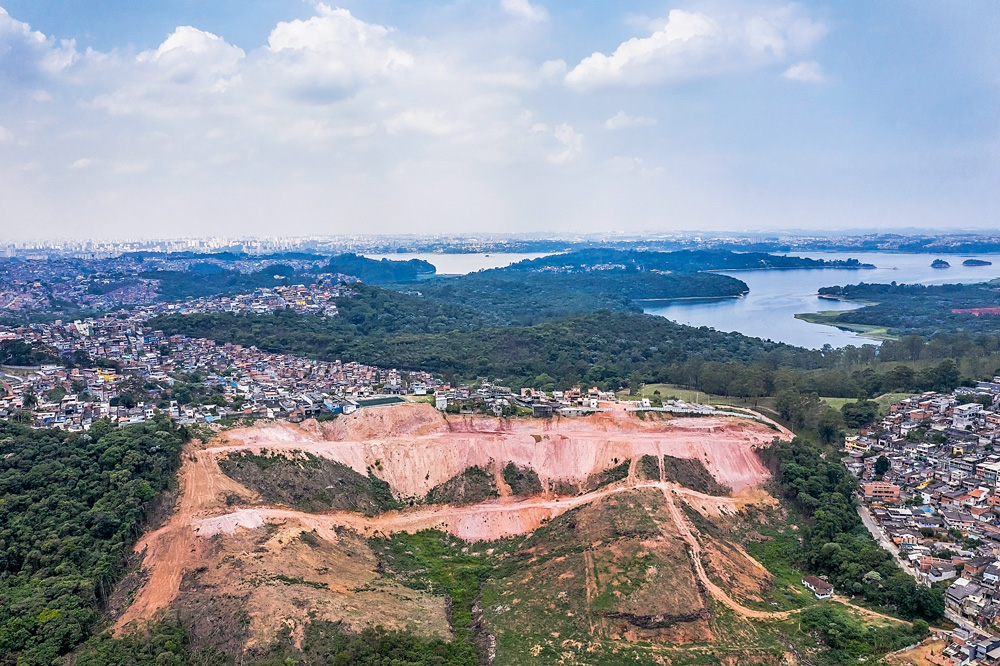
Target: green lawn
<point x="883" y="401"/>
<point x="668" y="391"/>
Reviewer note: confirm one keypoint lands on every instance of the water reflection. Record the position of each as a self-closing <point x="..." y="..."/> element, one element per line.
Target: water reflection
<point x="775" y="297"/>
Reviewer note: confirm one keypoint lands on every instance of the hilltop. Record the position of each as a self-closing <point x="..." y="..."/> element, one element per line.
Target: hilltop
<point x="587" y="553"/>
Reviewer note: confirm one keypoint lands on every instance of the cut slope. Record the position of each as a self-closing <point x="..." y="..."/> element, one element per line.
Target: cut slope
<point x="416" y="448"/>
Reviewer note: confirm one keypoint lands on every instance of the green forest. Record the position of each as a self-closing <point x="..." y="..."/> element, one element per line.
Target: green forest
<point x="514" y="298"/>
<point x="907" y="309"/>
<point x="71" y="508"/>
<point x="680" y="261"/>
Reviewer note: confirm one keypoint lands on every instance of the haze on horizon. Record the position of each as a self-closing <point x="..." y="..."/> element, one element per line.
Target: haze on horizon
<point x="226" y="117"/>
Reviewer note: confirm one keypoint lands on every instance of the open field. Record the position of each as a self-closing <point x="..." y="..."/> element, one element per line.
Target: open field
<point x="883" y="401"/>
<point x="918" y="656"/>
<point x="673" y="391"/>
<point x="827" y="318"/>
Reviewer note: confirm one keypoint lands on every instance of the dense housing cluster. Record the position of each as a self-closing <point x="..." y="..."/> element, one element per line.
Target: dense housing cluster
<point x="121" y="369"/>
<point x="930" y="490"/>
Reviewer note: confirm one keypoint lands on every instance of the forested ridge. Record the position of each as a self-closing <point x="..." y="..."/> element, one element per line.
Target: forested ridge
<point x="679" y="260"/>
<point x="71" y="508"/>
<point x="920" y="309"/>
<point x="606" y="349"/>
<point x="514" y="298"/>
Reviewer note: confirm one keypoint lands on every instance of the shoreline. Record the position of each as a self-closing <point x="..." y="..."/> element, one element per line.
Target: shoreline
<point x="705" y="299"/>
<point x="826" y="318"/>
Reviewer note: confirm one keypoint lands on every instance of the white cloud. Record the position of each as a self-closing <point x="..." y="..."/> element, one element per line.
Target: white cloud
<point x="327" y="56"/>
<point x="807" y="72"/>
<point x="622" y="120"/>
<point x="690" y="44"/>
<point x="81" y="163"/>
<point x="572" y="144"/>
<point x="524" y="10"/>
<point x="30" y="56"/>
<point x="552" y="69"/>
<point x="5" y="134"/>
<point x="632" y="165"/>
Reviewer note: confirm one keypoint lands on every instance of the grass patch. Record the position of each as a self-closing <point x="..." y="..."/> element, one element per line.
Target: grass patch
<point x="829" y="318"/>
<point x="471" y="486"/>
<point x="522" y="480"/>
<point x="607" y="477"/>
<point x="308" y="482"/>
<point x="691" y="473"/>
<point x="442" y="564"/>
<point x="776" y="556"/>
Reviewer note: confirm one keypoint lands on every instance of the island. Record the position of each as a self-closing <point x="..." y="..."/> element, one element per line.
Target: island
<point x="940" y="263"/>
<point x="977" y="262"/>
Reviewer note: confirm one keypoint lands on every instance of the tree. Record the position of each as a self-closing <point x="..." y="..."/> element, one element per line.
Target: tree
<point x="829" y="426"/>
<point x="859" y="413"/>
<point x="881" y="465"/>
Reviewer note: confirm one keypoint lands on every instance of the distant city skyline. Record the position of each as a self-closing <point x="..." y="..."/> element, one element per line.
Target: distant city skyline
<point x="202" y="118"/>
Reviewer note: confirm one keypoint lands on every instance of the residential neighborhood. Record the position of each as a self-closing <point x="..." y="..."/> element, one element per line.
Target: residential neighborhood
<point x="929" y="475"/>
<point x="118" y="368"/>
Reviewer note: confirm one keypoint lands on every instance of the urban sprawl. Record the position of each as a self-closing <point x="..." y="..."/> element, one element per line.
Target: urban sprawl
<point x="930" y="489"/>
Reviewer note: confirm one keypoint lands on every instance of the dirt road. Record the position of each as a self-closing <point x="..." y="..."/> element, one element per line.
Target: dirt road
<point x="681" y="523"/>
<point x="203" y="511"/>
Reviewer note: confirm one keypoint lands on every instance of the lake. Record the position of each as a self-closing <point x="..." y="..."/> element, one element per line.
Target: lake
<point x="775" y="297"/>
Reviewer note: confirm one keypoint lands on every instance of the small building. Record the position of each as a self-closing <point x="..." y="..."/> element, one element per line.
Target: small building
<point x="441" y="401"/>
<point x="881" y="491"/>
<point x="541" y="411"/>
<point x="818" y="586"/>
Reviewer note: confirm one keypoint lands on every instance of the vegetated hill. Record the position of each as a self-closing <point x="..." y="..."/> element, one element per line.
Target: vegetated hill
<point x="602" y="348"/>
<point x="514" y="297"/>
<point x="217" y="278"/>
<point x="308" y="482"/>
<point x="71" y="507"/>
<point x="691" y="473"/>
<point x="380" y="271"/>
<point x="471" y="486"/>
<point x="601" y="259"/>
<point x="210" y="279"/>
<point x="370" y="314"/>
<point x="19" y="352"/>
<point x="921" y="309"/>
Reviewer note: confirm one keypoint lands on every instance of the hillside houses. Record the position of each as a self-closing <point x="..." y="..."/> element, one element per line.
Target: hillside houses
<point x="128" y="372"/>
<point x="938" y="500"/>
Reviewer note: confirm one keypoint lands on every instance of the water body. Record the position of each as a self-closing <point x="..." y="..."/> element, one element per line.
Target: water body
<point x="463" y="264"/>
<point x="775" y="297"/>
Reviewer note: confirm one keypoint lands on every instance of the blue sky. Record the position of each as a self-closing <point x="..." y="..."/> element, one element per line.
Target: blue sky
<point x="254" y="117"/>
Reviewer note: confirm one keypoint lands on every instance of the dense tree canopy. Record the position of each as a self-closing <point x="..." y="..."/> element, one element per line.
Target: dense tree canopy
<point x="71" y="507"/>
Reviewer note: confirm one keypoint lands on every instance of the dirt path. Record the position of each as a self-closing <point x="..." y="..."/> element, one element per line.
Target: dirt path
<point x="680" y="521"/>
<point x="503" y="489"/>
<point x="203" y="511"/>
<point x="694" y="549"/>
<point x="591" y="585"/>
<point x="176" y="548"/>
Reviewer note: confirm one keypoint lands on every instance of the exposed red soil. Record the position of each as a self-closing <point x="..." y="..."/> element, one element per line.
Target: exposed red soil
<point x="977" y="311"/>
<point x="416" y="448"/>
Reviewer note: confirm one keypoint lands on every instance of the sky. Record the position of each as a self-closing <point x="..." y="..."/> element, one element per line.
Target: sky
<point x="124" y="119"/>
